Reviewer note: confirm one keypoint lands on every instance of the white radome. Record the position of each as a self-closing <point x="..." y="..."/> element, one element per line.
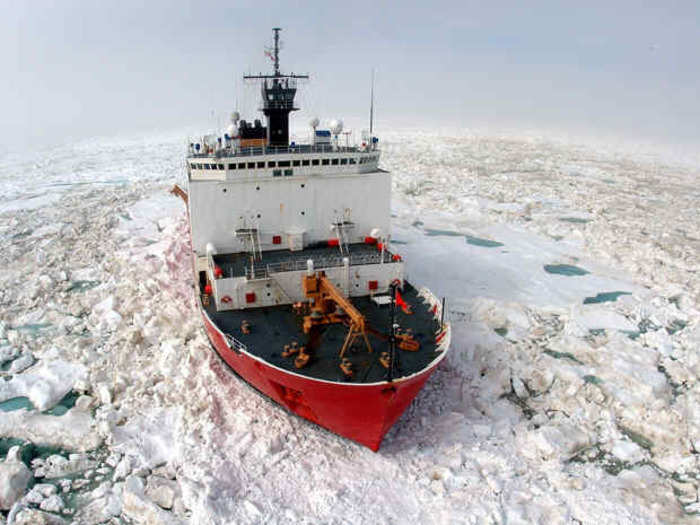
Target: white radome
<point x="210" y="140"/>
<point x="336" y="126"/>
<point x="314" y="122"/>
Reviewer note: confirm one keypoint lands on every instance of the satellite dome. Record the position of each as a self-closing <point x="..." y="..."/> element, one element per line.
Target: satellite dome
<point x="336" y="126"/>
<point x="235" y="116"/>
<point x="232" y="130"/>
<point x="314" y="122"/>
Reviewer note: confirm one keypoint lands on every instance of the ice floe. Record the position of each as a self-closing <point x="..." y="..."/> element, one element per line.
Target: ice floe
<point x="557" y="404"/>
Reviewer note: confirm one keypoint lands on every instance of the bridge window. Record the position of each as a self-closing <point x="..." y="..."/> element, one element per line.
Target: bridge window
<point x="206" y="166"/>
<point x="334" y="162"/>
<point x="276" y="173"/>
<point x="325" y="162"/>
<point x="288" y="173"/>
<point x="271" y="164"/>
<point x="232" y="166"/>
<point x="314" y="162"/>
<point x="241" y="165"/>
<point x="343" y="162"/>
<point x="284" y="164"/>
<point x="261" y="165"/>
<point x="305" y="162"/>
<point x="353" y="161"/>
<point x="251" y="165"/>
<point x="221" y="167"/>
<point x="296" y="163"/>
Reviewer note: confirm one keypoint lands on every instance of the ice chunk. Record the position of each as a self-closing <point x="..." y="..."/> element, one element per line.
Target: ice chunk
<point x="73" y="430"/>
<point x="37" y="517"/>
<point x="627" y="451"/>
<point x="139" y="508"/>
<point x="162" y="491"/>
<point x="45" y="384"/>
<point x="21" y="363"/>
<point x="14" y="477"/>
<point x="52" y="504"/>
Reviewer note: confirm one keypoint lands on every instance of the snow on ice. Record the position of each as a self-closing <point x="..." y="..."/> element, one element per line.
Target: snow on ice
<point x="570" y="394"/>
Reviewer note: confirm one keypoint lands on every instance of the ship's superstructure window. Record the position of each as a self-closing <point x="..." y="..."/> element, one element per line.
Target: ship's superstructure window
<point x="296" y="163"/>
<point x="276" y="173"/>
<point x="271" y="164"/>
<point x="288" y="173"/>
<point x="232" y="166"/>
<point x="305" y="162"/>
<point x="241" y="165"/>
<point x="334" y="162"/>
<point x="325" y="162"/>
<point x="221" y="167"/>
<point x="251" y="165"/>
<point x="314" y="162"/>
<point x="353" y="161"/>
<point x="206" y="166"/>
<point x="284" y="164"/>
<point x="261" y="165"/>
<point x="343" y="162"/>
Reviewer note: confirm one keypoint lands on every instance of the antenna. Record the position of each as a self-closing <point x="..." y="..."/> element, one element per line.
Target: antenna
<point x="371" y="107"/>
<point x="276" y="57"/>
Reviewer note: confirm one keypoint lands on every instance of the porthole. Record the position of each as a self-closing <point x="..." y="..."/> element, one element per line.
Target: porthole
<point x="303" y="185"/>
<point x="257" y="187"/>
<point x="258" y="215"/>
<point x="303" y="213"/>
<point x="224" y="190"/>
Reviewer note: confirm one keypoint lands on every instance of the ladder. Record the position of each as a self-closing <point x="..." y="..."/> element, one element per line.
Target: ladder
<point x="342" y="227"/>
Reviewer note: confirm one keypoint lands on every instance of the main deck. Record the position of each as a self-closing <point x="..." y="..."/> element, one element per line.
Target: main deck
<point x="274" y="327"/>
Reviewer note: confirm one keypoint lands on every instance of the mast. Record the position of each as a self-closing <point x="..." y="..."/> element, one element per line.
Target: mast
<point x="277" y="49"/>
<point x="277" y="91"/>
<point x="371" y="106"/>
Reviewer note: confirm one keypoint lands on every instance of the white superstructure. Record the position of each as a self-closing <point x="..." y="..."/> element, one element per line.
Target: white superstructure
<point x="258" y="205"/>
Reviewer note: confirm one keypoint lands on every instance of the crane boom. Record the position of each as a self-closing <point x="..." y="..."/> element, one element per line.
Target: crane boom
<point x="326" y="298"/>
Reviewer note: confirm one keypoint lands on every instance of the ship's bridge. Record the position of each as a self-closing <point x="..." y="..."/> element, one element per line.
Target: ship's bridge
<point x="278" y="162"/>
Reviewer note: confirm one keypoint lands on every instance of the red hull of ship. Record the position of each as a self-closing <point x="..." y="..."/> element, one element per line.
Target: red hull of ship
<point x="361" y="412"/>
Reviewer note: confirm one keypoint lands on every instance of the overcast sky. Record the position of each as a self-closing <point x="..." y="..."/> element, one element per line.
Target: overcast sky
<point x="73" y="69"/>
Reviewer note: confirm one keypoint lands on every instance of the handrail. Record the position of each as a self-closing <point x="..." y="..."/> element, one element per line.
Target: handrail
<point x="269" y="150"/>
<point x="234" y="344"/>
<point x="319" y="263"/>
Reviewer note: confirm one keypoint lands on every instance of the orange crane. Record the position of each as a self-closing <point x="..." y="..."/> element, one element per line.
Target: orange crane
<point x="179" y="192"/>
<point x="326" y="300"/>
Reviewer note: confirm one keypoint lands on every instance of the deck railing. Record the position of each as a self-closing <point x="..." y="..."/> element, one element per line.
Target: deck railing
<point x="265" y="271"/>
<point x="234" y="343"/>
<point x="267" y="150"/>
